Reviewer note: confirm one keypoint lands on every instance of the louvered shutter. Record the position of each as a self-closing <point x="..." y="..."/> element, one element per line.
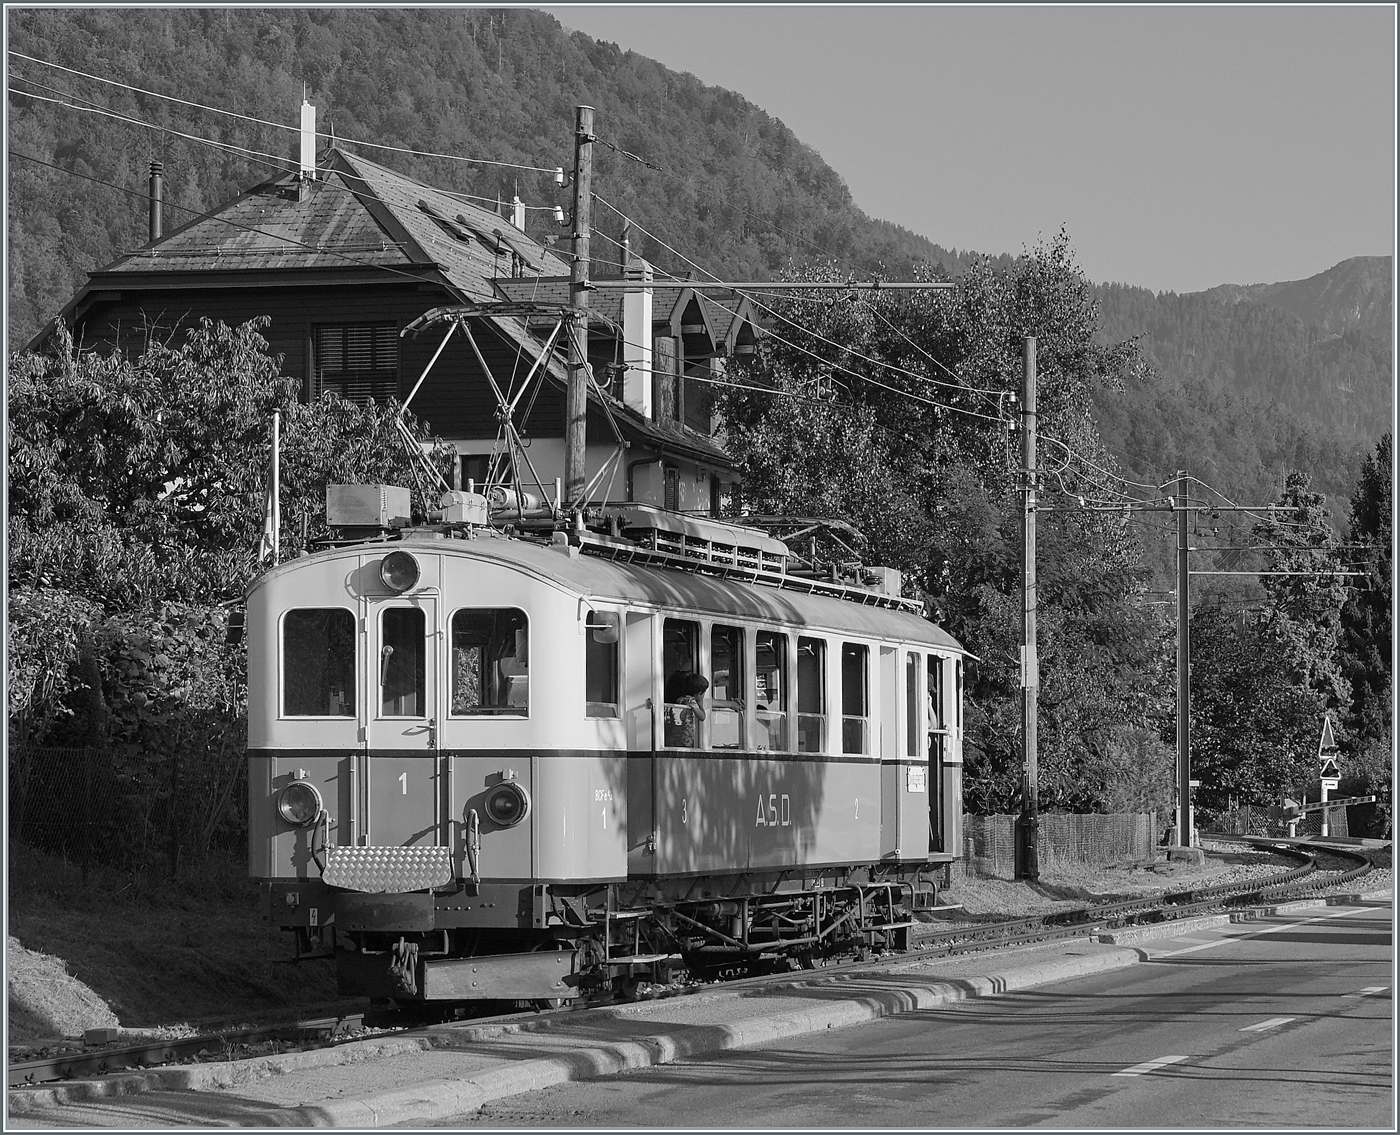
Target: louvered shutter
<point x="360" y="362"/>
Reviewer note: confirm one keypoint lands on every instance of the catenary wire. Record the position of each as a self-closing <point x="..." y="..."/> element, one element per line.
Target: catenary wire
<point x="282" y="125"/>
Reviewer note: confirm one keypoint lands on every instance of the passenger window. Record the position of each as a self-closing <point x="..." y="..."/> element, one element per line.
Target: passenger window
<point x="770" y="689"/>
<point x="601" y="634"/>
<point x="811" y="695"/>
<point x="318" y="663"/>
<point x="726" y="687"/>
<point x="402" y="662"/>
<point x="957" y="693"/>
<point x="855" y="698"/>
<point x="683" y="685"/>
<point x="912" y="707"/>
<point x="935" y="693"/>
<point x="490" y="661"/>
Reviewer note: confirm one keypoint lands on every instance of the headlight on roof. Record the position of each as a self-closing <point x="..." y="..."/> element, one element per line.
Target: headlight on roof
<point x="399" y="571"/>
<point x="299" y="803"/>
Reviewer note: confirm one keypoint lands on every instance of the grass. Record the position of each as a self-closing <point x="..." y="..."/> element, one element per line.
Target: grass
<point x="167" y="954"/>
<point x="157" y="952"/>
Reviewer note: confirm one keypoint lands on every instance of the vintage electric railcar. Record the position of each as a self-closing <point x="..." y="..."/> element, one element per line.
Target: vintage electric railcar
<point x="481" y="766"/>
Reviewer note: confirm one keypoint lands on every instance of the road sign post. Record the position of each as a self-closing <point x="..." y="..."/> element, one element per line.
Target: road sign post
<point x="1327" y="767"/>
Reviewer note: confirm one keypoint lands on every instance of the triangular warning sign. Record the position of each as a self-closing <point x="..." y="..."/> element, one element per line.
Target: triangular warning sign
<point x="1327" y="741"/>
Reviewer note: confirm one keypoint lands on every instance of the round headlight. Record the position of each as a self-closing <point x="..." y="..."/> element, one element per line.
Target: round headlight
<point x="399" y="571"/>
<point x="299" y="803"/>
<point x="507" y="803"/>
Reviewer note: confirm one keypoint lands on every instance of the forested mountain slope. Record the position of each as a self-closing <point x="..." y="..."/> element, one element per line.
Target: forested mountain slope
<point x="740" y="194"/>
<point x="1249" y="380"/>
<point x="1252" y="382"/>
<point x="1353" y="295"/>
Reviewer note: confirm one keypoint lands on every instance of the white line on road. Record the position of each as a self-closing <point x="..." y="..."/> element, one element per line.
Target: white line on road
<point x="1151" y="1065"/>
<point x="1271" y="1023"/>
<point x="1369" y="991"/>
<point x="1266" y="930"/>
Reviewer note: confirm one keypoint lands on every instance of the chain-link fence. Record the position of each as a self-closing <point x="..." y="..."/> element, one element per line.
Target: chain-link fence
<point x="1246" y="820"/>
<point x="989" y="842"/>
<point x="92" y="806"/>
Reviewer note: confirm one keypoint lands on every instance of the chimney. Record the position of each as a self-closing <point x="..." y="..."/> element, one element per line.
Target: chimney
<point x="636" y="330"/>
<point x="157" y="199"/>
<point x="517" y="213"/>
<point x="307" y="172"/>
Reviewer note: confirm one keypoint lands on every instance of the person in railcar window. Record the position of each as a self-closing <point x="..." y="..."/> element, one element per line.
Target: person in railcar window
<point x="680" y="669"/>
<point x="684" y="693"/>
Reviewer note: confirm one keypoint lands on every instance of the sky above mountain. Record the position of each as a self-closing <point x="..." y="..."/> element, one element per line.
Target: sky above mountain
<point x="1181" y="146"/>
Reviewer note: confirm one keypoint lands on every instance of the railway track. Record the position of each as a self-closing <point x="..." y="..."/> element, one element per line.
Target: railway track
<point x="1344" y="865"/>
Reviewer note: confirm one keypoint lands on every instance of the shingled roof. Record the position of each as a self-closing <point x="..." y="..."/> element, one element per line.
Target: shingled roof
<point x="358" y="214"/>
<point x="363" y="218"/>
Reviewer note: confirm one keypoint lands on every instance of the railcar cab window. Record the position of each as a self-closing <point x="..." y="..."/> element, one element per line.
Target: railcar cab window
<point x="770" y="689"/>
<point x="855" y="698"/>
<point x="683" y="686"/>
<point x="601" y="634"/>
<point x="490" y="662"/>
<point x="318" y="662"/>
<point x="726" y="687"/>
<point x="402" y="662"/>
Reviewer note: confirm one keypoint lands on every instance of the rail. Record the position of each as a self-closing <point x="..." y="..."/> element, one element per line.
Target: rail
<point x="325" y="1031"/>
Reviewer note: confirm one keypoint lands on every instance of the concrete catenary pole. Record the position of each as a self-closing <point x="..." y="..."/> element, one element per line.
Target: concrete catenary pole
<point x="1029" y="866"/>
<point x="576" y="396"/>
<point x="1183" y="667"/>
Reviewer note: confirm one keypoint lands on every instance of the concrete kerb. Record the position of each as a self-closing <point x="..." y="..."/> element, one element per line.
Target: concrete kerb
<point x="426" y="1103"/>
<point x="463" y="1095"/>
<point x="210" y="1076"/>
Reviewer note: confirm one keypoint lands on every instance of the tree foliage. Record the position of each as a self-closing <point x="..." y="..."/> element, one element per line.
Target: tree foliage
<point x="137" y="479"/>
<point x="896" y="412"/>
<point x="137" y="489"/>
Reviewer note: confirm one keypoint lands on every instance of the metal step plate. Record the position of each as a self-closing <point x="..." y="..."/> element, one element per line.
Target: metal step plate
<point x="388" y="870"/>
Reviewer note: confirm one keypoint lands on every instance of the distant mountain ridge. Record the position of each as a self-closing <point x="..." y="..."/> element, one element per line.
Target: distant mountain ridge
<point x="1353" y="295"/>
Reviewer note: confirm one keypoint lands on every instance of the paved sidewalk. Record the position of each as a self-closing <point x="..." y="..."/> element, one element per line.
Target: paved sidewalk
<point x="453" y="1070"/>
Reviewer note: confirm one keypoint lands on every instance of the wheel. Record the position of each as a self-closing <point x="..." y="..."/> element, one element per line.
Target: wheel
<point x="625" y="988"/>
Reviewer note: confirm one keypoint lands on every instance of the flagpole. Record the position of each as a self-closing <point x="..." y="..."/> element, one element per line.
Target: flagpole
<point x="276" y="489"/>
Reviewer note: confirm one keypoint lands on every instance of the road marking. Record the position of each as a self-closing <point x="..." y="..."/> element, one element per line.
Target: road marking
<point x="1271" y="1023"/>
<point x="1256" y="933"/>
<point x="1369" y="991"/>
<point x="1151" y="1065"/>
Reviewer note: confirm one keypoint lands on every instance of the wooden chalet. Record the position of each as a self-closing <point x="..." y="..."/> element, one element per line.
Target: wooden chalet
<point x="343" y="258"/>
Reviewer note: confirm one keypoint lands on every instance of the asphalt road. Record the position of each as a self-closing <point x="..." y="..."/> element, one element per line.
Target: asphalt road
<point x="1283" y="1022"/>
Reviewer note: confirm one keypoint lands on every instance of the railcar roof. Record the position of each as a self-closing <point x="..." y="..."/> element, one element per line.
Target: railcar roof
<point x="595" y="577"/>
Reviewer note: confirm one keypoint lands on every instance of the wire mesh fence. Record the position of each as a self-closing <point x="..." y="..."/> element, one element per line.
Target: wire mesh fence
<point x="98" y="806"/>
<point x="1246" y="820"/>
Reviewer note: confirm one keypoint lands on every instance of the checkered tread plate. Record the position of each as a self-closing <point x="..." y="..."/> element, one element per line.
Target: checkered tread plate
<point x="388" y="870"/>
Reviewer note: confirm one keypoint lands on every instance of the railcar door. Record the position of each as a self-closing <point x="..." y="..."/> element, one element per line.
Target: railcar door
<point x="404" y="708"/>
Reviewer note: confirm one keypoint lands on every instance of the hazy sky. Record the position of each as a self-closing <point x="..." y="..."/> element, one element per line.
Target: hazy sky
<point x="1182" y="147"/>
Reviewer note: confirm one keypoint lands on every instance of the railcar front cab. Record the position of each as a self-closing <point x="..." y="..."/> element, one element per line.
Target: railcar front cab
<point x="409" y="789"/>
